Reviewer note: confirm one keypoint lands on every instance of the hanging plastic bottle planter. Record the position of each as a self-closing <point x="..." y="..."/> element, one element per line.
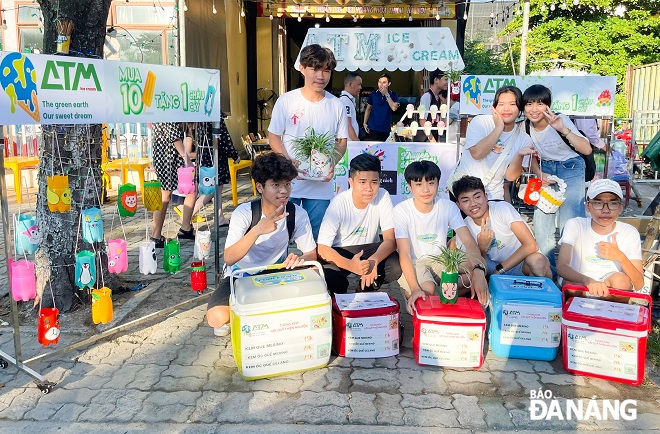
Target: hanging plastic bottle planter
<point x="102" y="311"/>
<point x="152" y="196"/>
<point x="85" y="269"/>
<point x="26" y="234"/>
<point x="48" y="328"/>
<point x="186" y="176"/>
<point x="202" y="248"/>
<point x="127" y="203"/>
<point x="117" y="256"/>
<point x="58" y="193"/>
<point x="92" y="225"/>
<point x="147" y="259"/>
<point x="23" y="280"/>
<point x="172" y="259"/>
<point x="198" y="276"/>
<point x="449" y="287"/>
<point x="207" y="180"/>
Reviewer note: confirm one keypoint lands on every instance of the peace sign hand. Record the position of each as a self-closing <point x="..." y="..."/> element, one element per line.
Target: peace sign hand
<point x="268" y="224"/>
<point x="485" y="237"/>
<point x="554" y="120"/>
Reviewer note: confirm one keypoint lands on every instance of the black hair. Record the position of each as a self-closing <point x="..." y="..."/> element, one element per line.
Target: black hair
<point x="274" y="167"/>
<point x="419" y="170"/>
<point x="315" y="56"/>
<point x="537" y="93"/>
<point x="364" y="163"/>
<point x="350" y="77"/>
<point x="467" y="183"/>
<point x="512" y="89"/>
<point x="436" y="74"/>
<point x="386" y="75"/>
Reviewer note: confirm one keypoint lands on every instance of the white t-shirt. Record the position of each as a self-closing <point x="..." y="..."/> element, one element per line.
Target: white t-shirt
<point x="349" y="106"/>
<point x="480" y="127"/>
<point x="345" y="225"/>
<point x="292" y="115"/>
<point x="549" y="143"/>
<point x="505" y="242"/>
<point x="269" y="248"/>
<point x="426" y="232"/>
<point x="579" y="234"/>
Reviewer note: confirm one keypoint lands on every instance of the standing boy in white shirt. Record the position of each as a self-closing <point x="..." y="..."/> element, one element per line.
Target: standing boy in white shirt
<point x="600" y="252"/>
<point x="421" y="226"/>
<point x="310" y="107"/>
<point x="504" y="239"/>
<point x="349" y="241"/>
<point x="267" y="242"/>
<point x="352" y="88"/>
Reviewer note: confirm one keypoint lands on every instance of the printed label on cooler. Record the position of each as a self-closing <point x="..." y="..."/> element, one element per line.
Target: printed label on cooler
<point x="445" y="345"/>
<point x="530" y="326"/>
<point x="278" y="279"/>
<point x="602" y="353"/>
<point x="605" y="309"/>
<point x="376" y="336"/>
<point x="299" y="339"/>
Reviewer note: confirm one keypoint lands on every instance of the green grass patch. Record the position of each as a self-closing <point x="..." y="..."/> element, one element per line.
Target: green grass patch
<point x="653" y="345"/>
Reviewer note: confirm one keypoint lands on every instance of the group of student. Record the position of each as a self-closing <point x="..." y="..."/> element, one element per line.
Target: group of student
<point x="359" y="231"/>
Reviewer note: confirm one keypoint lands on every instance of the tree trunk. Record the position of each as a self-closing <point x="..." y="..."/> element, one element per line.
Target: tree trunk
<point x="72" y="150"/>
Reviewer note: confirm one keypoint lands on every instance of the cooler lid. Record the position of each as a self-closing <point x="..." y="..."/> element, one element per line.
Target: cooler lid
<point x="538" y="289"/>
<point x="300" y="285"/>
<point x="466" y="310"/>
<point x="604" y="314"/>
<point x="366" y="304"/>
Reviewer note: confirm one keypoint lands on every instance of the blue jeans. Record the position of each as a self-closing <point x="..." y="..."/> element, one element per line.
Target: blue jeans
<point x="572" y="172"/>
<point x="315" y="210"/>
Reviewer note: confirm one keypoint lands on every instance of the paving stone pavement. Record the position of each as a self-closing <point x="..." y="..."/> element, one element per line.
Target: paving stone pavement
<point x="172" y="374"/>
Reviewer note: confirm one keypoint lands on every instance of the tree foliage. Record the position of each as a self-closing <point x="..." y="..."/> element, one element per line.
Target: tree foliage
<point x="481" y="60"/>
<point x="605" y="36"/>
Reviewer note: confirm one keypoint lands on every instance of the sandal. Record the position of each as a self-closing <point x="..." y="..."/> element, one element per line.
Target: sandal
<point x="159" y="242"/>
<point x="186" y="235"/>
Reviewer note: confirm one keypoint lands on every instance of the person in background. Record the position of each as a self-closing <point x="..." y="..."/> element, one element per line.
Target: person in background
<point x="310" y="107"/>
<point x="380" y="106"/>
<point x="352" y="88"/>
<point x="435" y="95"/>
<point x="546" y="129"/>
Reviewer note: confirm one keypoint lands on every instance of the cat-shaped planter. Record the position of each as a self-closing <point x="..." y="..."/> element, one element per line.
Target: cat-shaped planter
<point x="92" y="225"/>
<point x="206" y="180"/>
<point x="26" y="234"/>
<point x="319" y="168"/>
<point x="58" y="193"/>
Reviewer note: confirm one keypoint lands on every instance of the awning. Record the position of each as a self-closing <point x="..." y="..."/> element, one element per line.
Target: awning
<point x="389" y="48"/>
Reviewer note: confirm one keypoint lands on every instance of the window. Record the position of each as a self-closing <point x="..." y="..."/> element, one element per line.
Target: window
<point x="30" y="28"/>
<point x="143" y="46"/>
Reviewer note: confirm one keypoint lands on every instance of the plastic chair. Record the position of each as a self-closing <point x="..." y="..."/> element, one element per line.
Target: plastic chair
<point x="233" y="169"/>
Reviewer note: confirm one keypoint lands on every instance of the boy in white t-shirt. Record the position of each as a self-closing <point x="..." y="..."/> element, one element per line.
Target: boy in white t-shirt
<point x="349" y="241"/>
<point x="296" y="112"/>
<point x="267" y="242"/>
<point x="504" y="239"/>
<point x="600" y="252"/>
<point x="421" y="226"/>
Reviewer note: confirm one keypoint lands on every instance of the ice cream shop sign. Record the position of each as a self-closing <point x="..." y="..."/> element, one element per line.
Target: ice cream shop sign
<point x="389" y="48"/>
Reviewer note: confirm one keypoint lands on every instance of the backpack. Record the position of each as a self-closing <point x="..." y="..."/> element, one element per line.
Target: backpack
<point x="255" y="205"/>
<point x="589" y="161"/>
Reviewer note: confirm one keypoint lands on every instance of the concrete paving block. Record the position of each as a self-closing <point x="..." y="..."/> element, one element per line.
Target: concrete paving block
<point x="409" y="363"/>
<point x="528" y="381"/>
<point x="374" y="380"/>
<point x="271" y="407"/>
<point x="124" y="376"/>
<point x="543" y="366"/>
<point x="147" y="377"/>
<point x="122" y="353"/>
<point x="239" y="384"/>
<point x="431" y="417"/>
<point x="219" y="379"/>
<point x="603" y="386"/>
<point x="43" y="411"/>
<point x="14" y="403"/>
<point x="506" y="383"/>
<point x="80" y="379"/>
<point x="386" y="362"/>
<point x="519" y="408"/>
<point x="168" y="406"/>
<point x="389" y="409"/>
<point x="363" y="411"/>
<point x="469" y="412"/>
<point x="431" y="400"/>
<point x="323" y="399"/>
<point x="561" y="379"/>
<point x="363" y="363"/>
<point x="481" y="376"/>
<point x="646" y="421"/>
<point x="150" y="354"/>
<point x="494" y="363"/>
<point x="314" y="380"/>
<point x="128" y="405"/>
<point x="474" y="389"/>
<point x="97" y="353"/>
<point x="330" y="415"/>
<point x="187" y="354"/>
<point x="209" y="355"/>
<point x="207" y="407"/>
<point x="234" y="408"/>
<point x="339" y="379"/>
<point x="174" y="384"/>
<point x="411" y="381"/>
<point x="285" y="383"/>
<point x="69" y="412"/>
<point x="196" y="371"/>
<point x="497" y="416"/>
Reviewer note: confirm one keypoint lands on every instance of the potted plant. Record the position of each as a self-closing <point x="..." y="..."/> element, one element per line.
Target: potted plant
<point x="314" y="151"/>
<point x="454" y="82"/>
<point x="452" y="261"/>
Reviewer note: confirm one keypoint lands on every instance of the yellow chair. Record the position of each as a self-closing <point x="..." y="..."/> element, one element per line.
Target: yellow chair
<point x="233" y="168"/>
<point x="17" y="165"/>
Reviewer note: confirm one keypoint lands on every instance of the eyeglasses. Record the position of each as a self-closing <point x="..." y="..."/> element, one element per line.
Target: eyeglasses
<point x="610" y="205"/>
<point x="278" y="185"/>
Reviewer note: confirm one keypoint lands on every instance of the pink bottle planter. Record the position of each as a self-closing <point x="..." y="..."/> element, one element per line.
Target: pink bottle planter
<point x="117" y="256"/>
<point x="23" y="280"/>
<point x="186" y="177"/>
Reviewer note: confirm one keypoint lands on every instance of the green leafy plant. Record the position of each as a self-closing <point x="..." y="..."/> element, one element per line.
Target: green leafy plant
<point x="451" y="259"/>
<point x="302" y="146"/>
<point x="454" y="75"/>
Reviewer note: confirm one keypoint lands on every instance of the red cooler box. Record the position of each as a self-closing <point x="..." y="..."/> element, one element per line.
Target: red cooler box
<point x="604" y="339"/>
<point x="366" y="332"/>
<point x="449" y="334"/>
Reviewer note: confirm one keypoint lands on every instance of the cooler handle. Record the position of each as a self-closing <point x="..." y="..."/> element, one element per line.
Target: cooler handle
<point x="617" y="292"/>
<point x="528" y="283"/>
<point x="271" y="267"/>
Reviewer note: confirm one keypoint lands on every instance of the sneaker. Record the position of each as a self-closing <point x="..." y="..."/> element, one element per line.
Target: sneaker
<point x="159" y="242"/>
<point x="225" y="330"/>
<point x="186" y="235"/>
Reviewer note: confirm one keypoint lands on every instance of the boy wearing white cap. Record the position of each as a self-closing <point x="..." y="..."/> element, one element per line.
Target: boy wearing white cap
<point x="600" y="252"/>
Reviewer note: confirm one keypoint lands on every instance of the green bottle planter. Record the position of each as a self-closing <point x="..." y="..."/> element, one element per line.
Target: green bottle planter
<point x="449" y="287"/>
<point x="127" y="202"/>
<point x="172" y="260"/>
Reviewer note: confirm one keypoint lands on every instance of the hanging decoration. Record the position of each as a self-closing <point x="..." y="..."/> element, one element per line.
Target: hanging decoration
<point x="172" y="259"/>
<point x="23" y="280"/>
<point x="92" y="225"/>
<point x="206" y="180"/>
<point x="48" y="329"/>
<point x="117" y="256"/>
<point x="58" y="193"/>
<point x="202" y="248"/>
<point x="186" y="176"/>
<point x="85" y="269"/>
<point x="147" y="259"/>
<point x="127" y="203"/>
<point x="26" y="234"/>
<point x="152" y="197"/>
<point x="198" y="276"/>
<point x="102" y="311"/>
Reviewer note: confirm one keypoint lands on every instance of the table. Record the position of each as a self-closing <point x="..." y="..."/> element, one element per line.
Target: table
<point x="138" y="165"/>
<point x="17" y="164"/>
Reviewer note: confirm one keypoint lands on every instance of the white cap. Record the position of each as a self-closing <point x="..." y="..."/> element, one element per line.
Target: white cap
<point x="604" y="186"/>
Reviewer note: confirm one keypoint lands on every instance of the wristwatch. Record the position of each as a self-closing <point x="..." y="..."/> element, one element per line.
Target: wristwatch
<point x="500" y="269"/>
<point x="479" y="267"/>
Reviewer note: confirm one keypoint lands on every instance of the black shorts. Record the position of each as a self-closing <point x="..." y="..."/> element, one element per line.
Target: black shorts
<point x="220" y="296"/>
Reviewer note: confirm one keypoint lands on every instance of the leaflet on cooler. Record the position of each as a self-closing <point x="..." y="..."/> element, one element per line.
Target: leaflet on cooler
<point x="603" y="354"/>
<point x="605" y="309"/>
<point x="532" y="326"/>
<point x="372" y="336"/>
<point x="363" y="300"/>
